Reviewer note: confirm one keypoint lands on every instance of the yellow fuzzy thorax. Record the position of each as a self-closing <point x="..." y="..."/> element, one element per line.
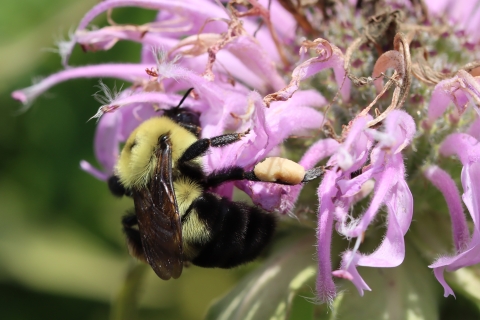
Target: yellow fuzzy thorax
<point x="137" y="159"/>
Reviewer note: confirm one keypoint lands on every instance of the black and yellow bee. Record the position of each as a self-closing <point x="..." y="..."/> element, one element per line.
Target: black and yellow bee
<point x="177" y="219"/>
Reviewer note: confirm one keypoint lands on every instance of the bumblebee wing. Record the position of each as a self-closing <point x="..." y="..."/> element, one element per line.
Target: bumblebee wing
<point x="158" y="217"/>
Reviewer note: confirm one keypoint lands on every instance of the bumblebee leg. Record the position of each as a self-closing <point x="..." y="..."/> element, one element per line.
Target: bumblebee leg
<point x="314" y="173"/>
<point x="218" y="177"/>
<point x="134" y="241"/>
<point x="238" y="173"/>
<point x="116" y="188"/>
<point x="196" y="130"/>
<point x="201" y="146"/>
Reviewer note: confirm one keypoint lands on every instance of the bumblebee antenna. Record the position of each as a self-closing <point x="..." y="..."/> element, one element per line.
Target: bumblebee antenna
<point x="183" y="99"/>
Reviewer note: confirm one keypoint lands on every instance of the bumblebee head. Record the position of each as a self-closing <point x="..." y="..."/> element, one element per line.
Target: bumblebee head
<point x="137" y="160"/>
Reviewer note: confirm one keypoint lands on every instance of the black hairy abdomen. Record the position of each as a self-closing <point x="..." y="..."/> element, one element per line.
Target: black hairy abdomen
<point x="238" y="232"/>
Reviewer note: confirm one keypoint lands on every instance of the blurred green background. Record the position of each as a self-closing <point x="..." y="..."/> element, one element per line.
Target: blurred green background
<point x="62" y="252"/>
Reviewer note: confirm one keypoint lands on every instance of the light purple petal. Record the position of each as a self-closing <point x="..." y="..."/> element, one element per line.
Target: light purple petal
<point x="325" y="286"/>
<point x="350" y="187"/>
<point x="462" y="14"/>
<point x="348" y="271"/>
<point x="186" y="17"/>
<point x="317" y="152"/>
<point x="459" y="90"/>
<point x="87" y="167"/>
<point x="282" y="20"/>
<point x="443" y="182"/>
<point x="438" y="272"/>
<point x="151" y="98"/>
<point x="107" y="139"/>
<point x="193" y="11"/>
<point x="471" y="187"/>
<point x="391" y="251"/>
<point x="471" y="198"/>
<point x="352" y="153"/>
<point x="128" y="72"/>
<point x="471" y="86"/>
<point x="249" y="51"/>
<point x="466" y="258"/>
<point x="222" y="103"/>
<point x="439" y="102"/>
<point x="253" y="146"/>
<point x="107" y="37"/>
<point x="227" y="62"/>
<point x="401" y="127"/>
<point x="464" y="146"/>
<point x="474" y="129"/>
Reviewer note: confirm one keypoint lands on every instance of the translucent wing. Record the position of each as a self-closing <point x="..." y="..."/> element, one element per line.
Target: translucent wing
<point x="158" y="217"/>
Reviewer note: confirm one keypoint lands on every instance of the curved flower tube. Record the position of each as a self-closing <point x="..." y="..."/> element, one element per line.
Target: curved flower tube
<point x="466" y="148"/>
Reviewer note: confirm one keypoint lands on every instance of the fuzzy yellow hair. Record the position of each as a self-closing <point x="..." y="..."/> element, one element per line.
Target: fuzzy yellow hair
<point x="137" y="159"/>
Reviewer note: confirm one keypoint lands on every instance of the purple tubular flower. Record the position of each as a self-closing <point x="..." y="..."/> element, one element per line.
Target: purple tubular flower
<point x="327" y="191"/>
<point x="107" y="37"/>
<point x="391" y="190"/>
<point x="460" y="90"/>
<point x="107" y="140"/>
<point x="467" y="149"/>
<point x="443" y="182"/>
<point x="128" y="72"/>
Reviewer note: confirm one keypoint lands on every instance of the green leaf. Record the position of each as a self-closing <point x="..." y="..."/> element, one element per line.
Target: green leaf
<point x="268" y="292"/>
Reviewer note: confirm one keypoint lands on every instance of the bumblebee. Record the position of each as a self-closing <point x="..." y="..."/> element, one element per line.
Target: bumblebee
<point x="177" y="218"/>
